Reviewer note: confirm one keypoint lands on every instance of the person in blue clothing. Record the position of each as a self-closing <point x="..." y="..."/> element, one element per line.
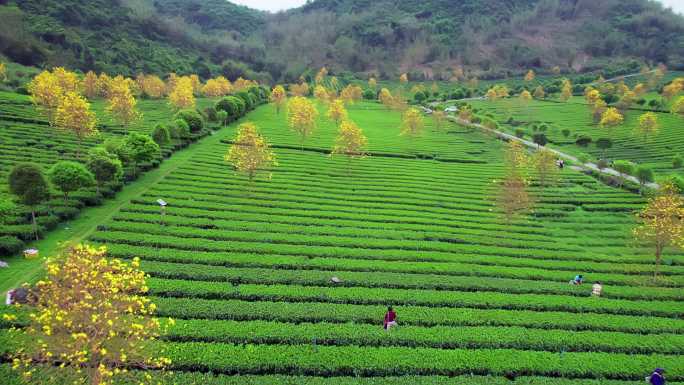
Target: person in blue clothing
<point x="577" y="280"/>
<point x="657" y="377"/>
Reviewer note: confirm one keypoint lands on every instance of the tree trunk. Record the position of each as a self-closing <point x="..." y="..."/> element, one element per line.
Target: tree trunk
<point x="659" y="251"/>
<point x="35" y="224"/>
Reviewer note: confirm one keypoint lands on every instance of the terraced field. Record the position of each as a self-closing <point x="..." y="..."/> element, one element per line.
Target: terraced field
<point x="656" y="151"/>
<point x="247" y="271"/>
<point x="26" y="136"/>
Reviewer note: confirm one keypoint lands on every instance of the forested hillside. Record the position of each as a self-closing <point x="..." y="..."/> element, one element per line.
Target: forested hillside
<point x="424" y="38"/>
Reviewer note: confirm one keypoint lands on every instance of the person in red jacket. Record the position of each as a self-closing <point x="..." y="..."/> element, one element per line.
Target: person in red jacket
<point x="390" y="318"/>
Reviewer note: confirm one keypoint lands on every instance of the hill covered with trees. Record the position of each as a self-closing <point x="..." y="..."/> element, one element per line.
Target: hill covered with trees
<point x="424" y="38"/>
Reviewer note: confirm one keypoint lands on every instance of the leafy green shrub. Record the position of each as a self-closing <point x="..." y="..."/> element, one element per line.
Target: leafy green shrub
<point x="644" y="174"/>
<point x="192" y="118"/>
<point x="583" y="141"/>
<point x="181" y="130"/>
<point x="10" y="245"/>
<point x="161" y="134"/>
<point x="519" y="132"/>
<point x="565" y="132"/>
<point x="677" y="161"/>
<point x="369" y="95"/>
<point x="234" y="106"/>
<point x="70" y="176"/>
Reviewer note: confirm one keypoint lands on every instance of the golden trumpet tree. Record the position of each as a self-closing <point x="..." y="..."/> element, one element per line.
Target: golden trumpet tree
<point x="321" y="94"/>
<point x="301" y="117"/>
<point x="598" y="109"/>
<point x="3" y="72"/>
<point x="611" y="117"/>
<point x="671" y="90"/>
<point x="153" y="86"/>
<point x="90" y="320"/>
<point x="212" y="89"/>
<point x="336" y="111"/>
<point x="648" y="124"/>
<point x="320" y="76"/>
<point x="662" y="222"/>
<point x="438" y="119"/>
<point x="678" y="107"/>
<point x="68" y="81"/>
<point x="196" y="84"/>
<point x="301" y="89"/>
<point x="386" y="97"/>
<point x="225" y="85"/>
<point x="546" y="170"/>
<point x="90" y="89"/>
<point x="566" y="90"/>
<point x="372" y="83"/>
<point x="351" y="94"/>
<point x="74" y="115"/>
<point x="539" y="92"/>
<point x="640" y="89"/>
<point x="46" y="94"/>
<point x="121" y="103"/>
<point x="512" y="197"/>
<point x="171" y="82"/>
<point x="412" y="123"/>
<point x="592" y="96"/>
<point x="556" y="70"/>
<point x="403" y="78"/>
<point x="103" y="84"/>
<point x="182" y="95"/>
<point x="350" y="141"/>
<point x="278" y="97"/>
<point x="530" y="76"/>
<point x="465" y="114"/>
<point x="250" y="153"/>
<point x="525" y="97"/>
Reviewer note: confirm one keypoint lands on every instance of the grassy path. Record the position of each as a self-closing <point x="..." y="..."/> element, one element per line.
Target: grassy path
<point x="69" y="233"/>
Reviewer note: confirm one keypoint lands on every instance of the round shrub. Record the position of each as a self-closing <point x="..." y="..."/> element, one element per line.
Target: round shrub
<point x="247" y="99"/>
<point x="369" y="95"/>
<point x="10" y="245"/>
<point x="192" y="118"/>
<point x="161" y="134"/>
<point x="233" y="106"/>
<point x="677" y="161"/>
<point x="181" y="129"/>
<point x="583" y="141"/>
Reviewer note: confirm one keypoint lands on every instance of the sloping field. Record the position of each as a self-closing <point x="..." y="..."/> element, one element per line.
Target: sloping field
<point x="246" y="270"/>
<point x="656" y="151"/>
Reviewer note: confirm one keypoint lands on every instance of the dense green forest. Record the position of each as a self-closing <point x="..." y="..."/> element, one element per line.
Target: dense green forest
<point x="425" y="38"/>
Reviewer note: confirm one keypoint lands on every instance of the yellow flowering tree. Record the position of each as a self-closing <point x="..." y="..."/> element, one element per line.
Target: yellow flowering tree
<point x="103" y="84"/>
<point x="182" y="95"/>
<point x="678" y="107"/>
<point x="278" y="97"/>
<point x="68" y="81"/>
<point x="74" y="115"/>
<point x="671" y="90"/>
<point x="592" y="96"/>
<point x="121" y="103"/>
<point x="90" y="319"/>
<point x="3" y="72"/>
<point x="512" y="197"/>
<point x="250" y="153"/>
<point x="351" y="94"/>
<point x="386" y="98"/>
<point x="611" y="117"/>
<point x="372" y="84"/>
<point x="598" y="109"/>
<point x="336" y="111"/>
<point x="539" y="92"/>
<point x="301" y="117"/>
<point x="320" y="76"/>
<point x="350" y="141"/>
<point x="465" y="114"/>
<point x="546" y="170"/>
<point x="566" y="91"/>
<point x="301" y="89"/>
<point x="525" y="97"/>
<point x="196" y="84"/>
<point x="90" y="85"/>
<point x="153" y="86"/>
<point x="321" y="93"/>
<point x="529" y="76"/>
<point x="412" y="123"/>
<point x="662" y="222"/>
<point x="403" y="78"/>
<point x="46" y="94"/>
<point x="438" y="119"/>
<point x="648" y="124"/>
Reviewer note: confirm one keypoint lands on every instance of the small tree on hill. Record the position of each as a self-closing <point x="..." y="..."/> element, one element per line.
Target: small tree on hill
<point x="544" y="162"/>
<point x="512" y="196"/>
<point x="336" y="111"/>
<point x="27" y="182"/>
<point x="386" y="98"/>
<point x="372" y="83"/>
<point x="611" y="118"/>
<point x="70" y="176"/>
<point x="604" y="144"/>
<point x="529" y="76"/>
<point x="648" y="125"/>
<point x="250" y="153"/>
<point x="182" y="95"/>
<point x="645" y="175"/>
<point x="566" y="91"/>
<point x="278" y="97"/>
<point x="438" y="119"/>
<point x="121" y="103"/>
<point x="104" y="166"/>
<point x="90" y="85"/>
<point x="625" y="168"/>
<point x="678" y="107"/>
<point x="74" y="115"/>
<point x="350" y="141"/>
<point x="662" y="222"/>
<point x="3" y="72"/>
<point x="90" y="320"/>
<point x="140" y="148"/>
<point x="412" y="123"/>
<point x="46" y="93"/>
<point x="539" y="93"/>
<point x="302" y="116"/>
